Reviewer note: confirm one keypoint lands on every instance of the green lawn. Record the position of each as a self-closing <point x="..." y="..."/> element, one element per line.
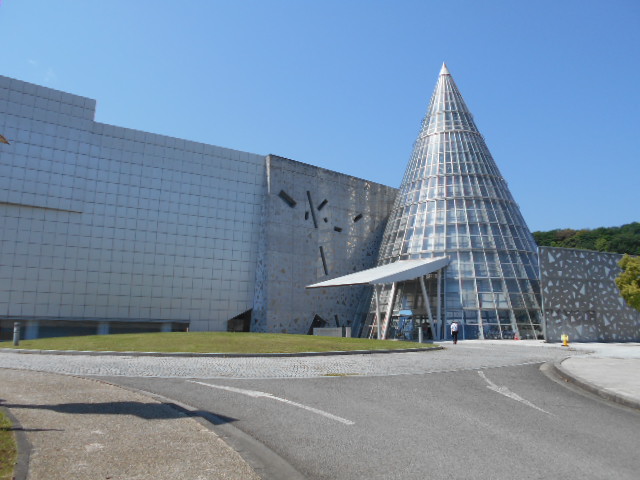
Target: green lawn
<point x="8" y="452"/>
<point x="212" y="342"/>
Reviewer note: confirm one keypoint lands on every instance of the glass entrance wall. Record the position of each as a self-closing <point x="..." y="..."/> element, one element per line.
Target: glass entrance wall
<point x="454" y="201"/>
<point x="409" y="297"/>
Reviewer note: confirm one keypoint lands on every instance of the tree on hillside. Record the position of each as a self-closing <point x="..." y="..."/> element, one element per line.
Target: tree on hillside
<point x="627" y="243"/>
<point x="629" y="280"/>
<point x="623" y="239"/>
<point x="603" y="244"/>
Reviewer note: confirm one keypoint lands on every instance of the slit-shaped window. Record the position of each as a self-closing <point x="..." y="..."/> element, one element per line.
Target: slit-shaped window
<point x="287" y="199"/>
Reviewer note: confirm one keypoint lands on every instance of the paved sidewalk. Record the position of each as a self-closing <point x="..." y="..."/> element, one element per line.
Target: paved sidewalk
<point x="610" y="370"/>
<point x="87" y="429"/>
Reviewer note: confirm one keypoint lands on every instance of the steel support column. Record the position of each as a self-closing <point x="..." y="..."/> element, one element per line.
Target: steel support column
<point x="376" y="294"/>
<point x="387" y="320"/>
<point x="427" y="303"/>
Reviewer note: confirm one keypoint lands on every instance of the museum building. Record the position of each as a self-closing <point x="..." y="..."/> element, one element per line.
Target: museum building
<point x="105" y="229"/>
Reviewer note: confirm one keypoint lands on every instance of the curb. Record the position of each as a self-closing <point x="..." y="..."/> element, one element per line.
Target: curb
<point x="23" y="446"/>
<point x="213" y="355"/>
<point x="601" y="392"/>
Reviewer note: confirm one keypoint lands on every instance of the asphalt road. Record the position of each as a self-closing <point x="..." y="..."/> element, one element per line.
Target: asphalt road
<point x="502" y="422"/>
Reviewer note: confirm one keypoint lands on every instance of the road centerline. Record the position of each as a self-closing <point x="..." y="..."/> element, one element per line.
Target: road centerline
<point x="258" y="394"/>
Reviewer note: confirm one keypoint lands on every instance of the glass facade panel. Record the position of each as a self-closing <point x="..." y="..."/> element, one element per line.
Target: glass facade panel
<point x="453" y="184"/>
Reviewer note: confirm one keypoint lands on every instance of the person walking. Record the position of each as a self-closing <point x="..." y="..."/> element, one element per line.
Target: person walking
<point x="455" y="328"/>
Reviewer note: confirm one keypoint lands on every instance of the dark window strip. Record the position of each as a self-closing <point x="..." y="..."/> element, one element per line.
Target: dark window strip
<point x="287" y="199"/>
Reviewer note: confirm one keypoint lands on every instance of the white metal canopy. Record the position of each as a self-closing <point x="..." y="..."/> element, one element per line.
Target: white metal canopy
<point x="392" y="272"/>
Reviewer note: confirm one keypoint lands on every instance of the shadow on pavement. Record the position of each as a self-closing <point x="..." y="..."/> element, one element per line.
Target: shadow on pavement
<point x="147" y="411"/>
<point x="20" y="429"/>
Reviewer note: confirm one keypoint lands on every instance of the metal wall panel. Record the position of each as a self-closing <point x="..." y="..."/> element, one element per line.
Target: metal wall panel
<point x="102" y="222"/>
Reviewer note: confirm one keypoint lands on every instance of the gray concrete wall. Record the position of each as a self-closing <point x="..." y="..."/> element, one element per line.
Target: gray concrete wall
<point x="580" y="297"/>
<point x="318" y="224"/>
<point x="99" y="222"/>
<point x="103" y="224"/>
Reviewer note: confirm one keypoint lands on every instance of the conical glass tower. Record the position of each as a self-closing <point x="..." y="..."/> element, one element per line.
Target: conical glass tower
<point x="454" y="202"/>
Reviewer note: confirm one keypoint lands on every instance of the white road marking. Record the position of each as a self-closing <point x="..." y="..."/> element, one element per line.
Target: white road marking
<point x="508" y="393"/>
<point x="256" y="394"/>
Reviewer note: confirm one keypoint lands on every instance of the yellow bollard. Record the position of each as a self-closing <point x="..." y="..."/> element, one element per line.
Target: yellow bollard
<point x="565" y="340"/>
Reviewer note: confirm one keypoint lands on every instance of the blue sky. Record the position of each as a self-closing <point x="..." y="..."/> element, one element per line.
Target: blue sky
<point x="344" y="84"/>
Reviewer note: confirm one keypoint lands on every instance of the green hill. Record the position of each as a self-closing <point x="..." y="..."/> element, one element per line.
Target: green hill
<point x="623" y="239"/>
